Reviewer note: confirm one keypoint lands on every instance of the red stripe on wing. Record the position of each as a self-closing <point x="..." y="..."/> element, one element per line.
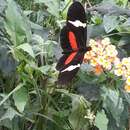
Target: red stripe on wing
<point x="72" y="40"/>
<point x="70" y="58"/>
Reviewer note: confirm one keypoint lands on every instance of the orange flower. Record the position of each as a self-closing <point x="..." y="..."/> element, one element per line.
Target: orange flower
<point x="98" y="70"/>
<point x="127" y="88"/>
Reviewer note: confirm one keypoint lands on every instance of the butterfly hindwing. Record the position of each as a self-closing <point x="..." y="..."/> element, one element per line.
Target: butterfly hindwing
<point x="68" y="71"/>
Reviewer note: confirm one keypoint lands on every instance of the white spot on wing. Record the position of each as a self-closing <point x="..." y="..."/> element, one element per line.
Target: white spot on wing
<point x="77" y="23"/>
<point x="71" y="67"/>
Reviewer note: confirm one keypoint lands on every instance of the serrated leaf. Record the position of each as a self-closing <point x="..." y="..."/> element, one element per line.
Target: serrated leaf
<point x="27" y="48"/>
<point x="110" y="22"/>
<point x="20" y="98"/>
<point x="101" y="120"/>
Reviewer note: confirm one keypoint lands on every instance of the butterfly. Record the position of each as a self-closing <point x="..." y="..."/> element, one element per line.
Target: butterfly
<point x="73" y="39"/>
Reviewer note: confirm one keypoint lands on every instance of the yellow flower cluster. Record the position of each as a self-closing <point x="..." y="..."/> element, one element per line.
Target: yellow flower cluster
<point x="122" y="68"/>
<point x="103" y="56"/>
<point x="103" y="53"/>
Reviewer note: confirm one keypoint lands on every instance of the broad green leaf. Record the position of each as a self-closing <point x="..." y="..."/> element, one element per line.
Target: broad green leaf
<point x="14" y="90"/>
<point x="79" y="110"/>
<point x="53" y="6"/>
<point x="124" y="40"/>
<point x="9" y="114"/>
<point x="95" y="31"/>
<point x="110" y="22"/>
<point x="113" y="103"/>
<point x="7" y="63"/>
<point x="79" y="107"/>
<point x="27" y="48"/>
<point x="6" y="123"/>
<point x="44" y="69"/>
<point x="38" y="39"/>
<point x="127" y="97"/>
<point x="124" y="27"/>
<point x="122" y="3"/>
<point x="16" y="24"/>
<point x="20" y="98"/>
<point x="91" y="92"/>
<point x="108" y="2"/>
<point x="27" y="12"/>
<point x="3" y="4"/>
<point x="101" y="120"/>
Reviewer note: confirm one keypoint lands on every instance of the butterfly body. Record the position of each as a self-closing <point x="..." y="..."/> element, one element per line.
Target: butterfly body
<point x="73" y="38"/>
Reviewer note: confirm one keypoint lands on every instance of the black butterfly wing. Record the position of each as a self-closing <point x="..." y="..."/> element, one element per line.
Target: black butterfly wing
<point x="75" y="13"/>
<point x="72" y="40"/>
<point x="70" y="68"/>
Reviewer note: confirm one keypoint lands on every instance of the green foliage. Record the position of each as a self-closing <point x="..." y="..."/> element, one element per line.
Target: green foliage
<point x="20" y="98"/>
<point x="30" y="99"/>
<point x="110" y="23"/>
<point x="16" y="24"/>
<point x="101" y="120"/>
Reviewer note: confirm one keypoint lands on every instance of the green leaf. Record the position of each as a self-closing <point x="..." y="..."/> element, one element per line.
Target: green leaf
<point x="122" y="3"/>
<point x="113" y="103"/>
<point x="110" y="22"/>
<point x="16" y="24"/>
<point x="126" y="96"/>
<point x="7" y="63"/>
<point x="95" y="31"/>
<point x="91" y="92"/>
<point x="44" y="69"/>
<point x="3" y="4"/>
<point x="108" y="2"/>
<point x="20" y="98"/>
<point x="101" y="120"/>
<point x="124" y="40"/>
<point x="53" y="6"/>
<point x="125" y="27"/>
<point x="14" y="90"/>
<point x="27" y="48"/>
<point x="79" y="107"/>
<point x="9" y="114"/>
<point x="96" y="19"/>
